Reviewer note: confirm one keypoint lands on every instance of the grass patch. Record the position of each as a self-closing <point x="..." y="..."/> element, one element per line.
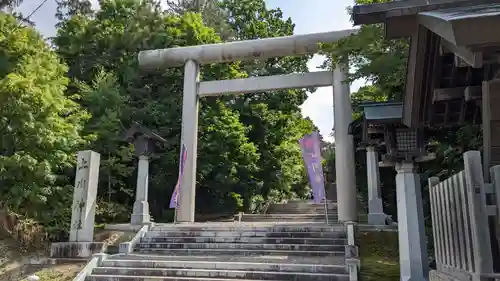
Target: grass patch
<point x="379" y="255"/>
<point x="15" y="261"/>
<point x="65" y="272"/>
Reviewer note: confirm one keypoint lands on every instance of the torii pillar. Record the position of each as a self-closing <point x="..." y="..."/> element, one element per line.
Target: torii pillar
<point x="344" y="147"/>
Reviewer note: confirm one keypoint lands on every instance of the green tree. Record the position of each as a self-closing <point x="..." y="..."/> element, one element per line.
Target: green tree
<point x="69" y="8"/>
<point x="211" y="12"/>
<point x="109" y="42"/>
<point x="40" y="127"/>
<point x="9" y="5"/>
<point x="106" y="103"/>
<point x="274" y="117"/>
<point x="381" y="62"/>
<point x="248" y="149"/>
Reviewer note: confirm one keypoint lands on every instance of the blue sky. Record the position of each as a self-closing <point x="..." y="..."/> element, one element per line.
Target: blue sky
<point x="309" y="16"/>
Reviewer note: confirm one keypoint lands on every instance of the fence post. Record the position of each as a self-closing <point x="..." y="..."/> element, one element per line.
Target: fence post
<point x="478" y="216"/>
<point x="436" y="224"/>
<point x="469" y="247"/>
<point x="495" y="180"/>
<point x="459" y="220"/>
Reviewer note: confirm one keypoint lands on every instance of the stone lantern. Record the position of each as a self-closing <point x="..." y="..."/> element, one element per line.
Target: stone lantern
<point x="145" y="143"/>
<point x="403" y="147"/>
<point x="377" y="118"/>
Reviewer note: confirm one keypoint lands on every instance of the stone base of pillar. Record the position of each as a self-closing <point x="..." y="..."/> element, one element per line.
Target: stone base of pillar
<point x="379" y="219"/>
<point x="376" y="215"/>
<point x="76" y="250"/>
<point x="183" y="222"/>
<point x="140" y="214"/>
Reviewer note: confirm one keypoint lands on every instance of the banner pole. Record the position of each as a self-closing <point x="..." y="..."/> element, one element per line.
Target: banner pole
<point x="176" y="193"/>
<point x="326" y="204"/>
<point x="175" y="214"/>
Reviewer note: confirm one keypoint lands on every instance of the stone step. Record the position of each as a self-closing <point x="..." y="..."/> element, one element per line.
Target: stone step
<point x="214" y="273"/>
<point x="301" y="211"/>
<point x="252" y="227"/>
<point x="238" y="234"/>
<point x="95" y="277"/>
<point x="297" y="217"/>
<point x="292" y="210"/>
<point x="227" y="265"/>
<point x="241" y="246"/>
<point x="249" y="234"/>
<point x="158" y="257"/>
<point x="277" y="219"/>
<point x="241" y="252"/>
<point x="287" y="217"/>
<point x="257" y="219"/>
<point x="251" y="240"/>
<point x="306" y="201"/>
<point x="329" y="205"/>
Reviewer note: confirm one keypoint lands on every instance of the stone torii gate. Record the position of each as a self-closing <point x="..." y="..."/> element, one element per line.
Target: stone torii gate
<point x="192" y="57"/>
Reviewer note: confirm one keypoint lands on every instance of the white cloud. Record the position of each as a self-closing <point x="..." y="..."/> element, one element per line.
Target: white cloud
<point x="319" y="105"/>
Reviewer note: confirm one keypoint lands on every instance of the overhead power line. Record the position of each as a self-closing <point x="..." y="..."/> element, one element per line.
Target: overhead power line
<point x="37" y="8"/>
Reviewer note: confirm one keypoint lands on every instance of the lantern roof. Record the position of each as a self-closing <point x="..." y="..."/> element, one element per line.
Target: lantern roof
<point x="382" y="112"/>
<point x="137" y="130"/>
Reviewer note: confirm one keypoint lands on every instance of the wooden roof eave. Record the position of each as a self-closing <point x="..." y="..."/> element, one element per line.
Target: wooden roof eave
<point x="464" y="26"/>
<point x="380" y="12"/>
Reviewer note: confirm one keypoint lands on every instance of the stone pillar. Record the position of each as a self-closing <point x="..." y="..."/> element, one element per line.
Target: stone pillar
<point x="376" y="214"/>
<point x="84" y="197"/>
<point x="81" y="234"/>
<point x="189" y="137"/>
<point x="344" y="148"/>
<point x="412" y="240"/>
<point x="140" y="214"/>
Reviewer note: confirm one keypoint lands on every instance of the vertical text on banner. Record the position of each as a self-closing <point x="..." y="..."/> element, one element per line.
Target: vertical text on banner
<point x="311" y="153"/>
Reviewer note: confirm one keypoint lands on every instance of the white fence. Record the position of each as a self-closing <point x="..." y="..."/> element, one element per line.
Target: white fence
<point x="460" y="214"/>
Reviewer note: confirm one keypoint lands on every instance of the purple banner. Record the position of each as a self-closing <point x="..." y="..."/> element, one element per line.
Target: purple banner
<point x="311" y="153"/>
<point x="175" y="195"/>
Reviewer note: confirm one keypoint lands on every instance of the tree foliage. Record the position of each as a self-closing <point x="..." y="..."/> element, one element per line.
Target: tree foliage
<point x="248" y="149"/>
<point x="9" y="5"/>
<point x="41" y="126"/>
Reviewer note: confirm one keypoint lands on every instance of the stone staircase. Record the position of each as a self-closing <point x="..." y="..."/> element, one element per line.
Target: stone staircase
<point x="285" y="250"/>
<point x="295" y="211"/>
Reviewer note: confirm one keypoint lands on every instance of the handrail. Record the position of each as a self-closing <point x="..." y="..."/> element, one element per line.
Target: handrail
<point x="128" y="247"/>
<point x="326" y="208"/>
<point x="89" y="267"/>
<point x="266" y="206"/>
